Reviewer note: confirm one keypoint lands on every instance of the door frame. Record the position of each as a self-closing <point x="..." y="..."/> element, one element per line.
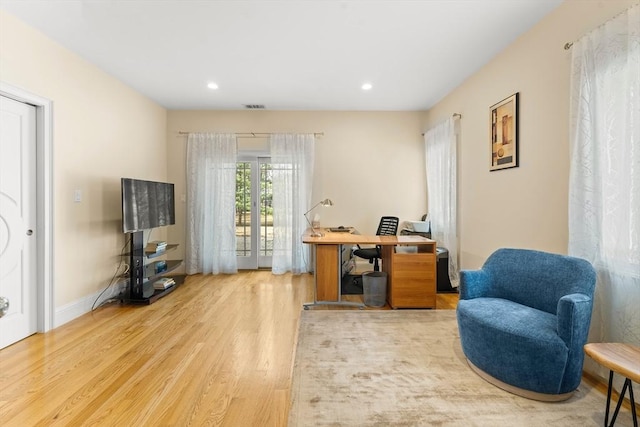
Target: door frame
<point x="44" y="200"/>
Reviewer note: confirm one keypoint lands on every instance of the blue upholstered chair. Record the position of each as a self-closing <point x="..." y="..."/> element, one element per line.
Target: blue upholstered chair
<point x="523" y="319"/>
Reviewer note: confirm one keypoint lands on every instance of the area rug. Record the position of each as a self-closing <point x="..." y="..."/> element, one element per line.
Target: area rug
<point x="406" y="368"/>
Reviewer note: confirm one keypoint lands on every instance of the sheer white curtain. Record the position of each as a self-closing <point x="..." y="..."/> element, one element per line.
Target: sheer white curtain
<point x="604" y="190"/>
<point x="292" y="163"/>
<point x="442" y="195"/>
<point x="211" y="190"/>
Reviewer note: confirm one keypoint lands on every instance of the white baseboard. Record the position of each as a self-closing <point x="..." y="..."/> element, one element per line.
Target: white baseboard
<point x="75" y="309"/>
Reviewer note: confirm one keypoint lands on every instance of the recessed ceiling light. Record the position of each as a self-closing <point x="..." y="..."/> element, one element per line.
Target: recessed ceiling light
<point x="367" y="86"/>
<point x="212" y="85"/>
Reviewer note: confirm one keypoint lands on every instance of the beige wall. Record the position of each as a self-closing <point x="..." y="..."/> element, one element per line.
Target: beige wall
<point x="102" y="130"/>
<point x="368" y="163"/>
<point x="525" y="206"/>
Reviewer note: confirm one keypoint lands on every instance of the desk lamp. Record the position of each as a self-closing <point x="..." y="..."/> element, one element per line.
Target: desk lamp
<point x="314" y="232"/>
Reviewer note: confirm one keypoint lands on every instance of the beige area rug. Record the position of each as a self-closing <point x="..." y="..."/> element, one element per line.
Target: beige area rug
<point x="406" y="368"/>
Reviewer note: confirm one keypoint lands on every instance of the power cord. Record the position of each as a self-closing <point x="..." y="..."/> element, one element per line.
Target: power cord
<point x="113" y="278"/>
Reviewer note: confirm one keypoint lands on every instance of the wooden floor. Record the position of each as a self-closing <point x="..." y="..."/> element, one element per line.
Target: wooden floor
<point x="217" y="351"/>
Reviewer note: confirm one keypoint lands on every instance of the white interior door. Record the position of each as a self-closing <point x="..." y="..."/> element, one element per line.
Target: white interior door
<point x="18" y="273"/>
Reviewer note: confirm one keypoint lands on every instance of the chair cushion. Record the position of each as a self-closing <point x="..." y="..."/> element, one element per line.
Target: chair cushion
<point x="367" y="253"/>
<point x="514" y="343"/>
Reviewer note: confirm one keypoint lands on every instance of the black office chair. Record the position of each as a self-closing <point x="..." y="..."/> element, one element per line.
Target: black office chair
<point x="388" y="227"/>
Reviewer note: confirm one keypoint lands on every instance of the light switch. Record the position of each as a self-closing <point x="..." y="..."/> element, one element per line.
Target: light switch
<point x="77" y="196"/>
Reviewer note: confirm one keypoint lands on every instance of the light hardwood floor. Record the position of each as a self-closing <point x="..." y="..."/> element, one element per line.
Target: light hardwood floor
<point x="217" y="351"/>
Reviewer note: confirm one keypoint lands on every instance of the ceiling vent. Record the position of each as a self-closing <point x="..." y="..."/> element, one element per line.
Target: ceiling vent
<point x="254" y="106"/>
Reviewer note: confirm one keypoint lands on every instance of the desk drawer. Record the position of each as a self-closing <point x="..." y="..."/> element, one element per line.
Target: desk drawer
<point x="422" y="262"/>
<point x="412" y="280"/>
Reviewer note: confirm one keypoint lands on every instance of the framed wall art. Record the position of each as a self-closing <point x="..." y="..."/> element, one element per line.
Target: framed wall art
<point x="504" y="133"/>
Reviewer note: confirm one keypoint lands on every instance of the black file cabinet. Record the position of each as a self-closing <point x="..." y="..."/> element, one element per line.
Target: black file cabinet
<point x="443" y="282"/>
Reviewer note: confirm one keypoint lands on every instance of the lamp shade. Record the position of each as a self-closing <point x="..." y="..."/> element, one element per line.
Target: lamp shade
<point x="325" y="202"/>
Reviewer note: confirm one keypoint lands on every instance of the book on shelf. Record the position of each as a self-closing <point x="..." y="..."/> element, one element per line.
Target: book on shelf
<point x="156" y="246"/>
<point x="163" y="283"/>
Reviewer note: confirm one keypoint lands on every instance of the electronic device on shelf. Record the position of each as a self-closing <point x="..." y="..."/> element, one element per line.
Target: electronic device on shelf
<point x="341" y="229"/>
<point x="164" y="283"/>
<point x="156" y="246"/>
<point x="160" y="266"/>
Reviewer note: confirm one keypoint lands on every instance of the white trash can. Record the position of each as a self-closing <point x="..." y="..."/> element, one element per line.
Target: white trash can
<point x="374" y="287"/>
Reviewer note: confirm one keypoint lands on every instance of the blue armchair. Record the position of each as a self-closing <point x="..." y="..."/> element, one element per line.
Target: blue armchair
<point x="523" y="319"/>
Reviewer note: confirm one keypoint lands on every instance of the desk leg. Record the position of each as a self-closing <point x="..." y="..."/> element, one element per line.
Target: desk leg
<point x="328" y="277"/>
<point x="606" y="412"/>
<point x="627" y="383"/>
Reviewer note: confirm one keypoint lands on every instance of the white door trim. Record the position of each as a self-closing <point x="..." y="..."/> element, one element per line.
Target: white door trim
<point x="44" y="187"/>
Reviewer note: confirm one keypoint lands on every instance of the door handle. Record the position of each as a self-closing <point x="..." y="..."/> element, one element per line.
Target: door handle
<point x="4" y="306"/>
<point x="29" y="232"/>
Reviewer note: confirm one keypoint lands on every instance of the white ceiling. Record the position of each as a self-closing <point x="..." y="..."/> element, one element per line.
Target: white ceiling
<point x="287" y="55"/>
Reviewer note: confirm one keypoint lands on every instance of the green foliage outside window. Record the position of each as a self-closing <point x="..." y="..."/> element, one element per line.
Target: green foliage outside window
<point x="243" y="192"/>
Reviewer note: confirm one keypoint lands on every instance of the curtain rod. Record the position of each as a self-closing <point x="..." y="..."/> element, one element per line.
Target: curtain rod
<point x="454" y="115"/>
<point x="253" y="134"/>
<point x="568" y="45"/>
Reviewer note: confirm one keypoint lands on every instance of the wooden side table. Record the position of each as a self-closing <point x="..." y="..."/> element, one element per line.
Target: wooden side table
<point x="623" y="359"/>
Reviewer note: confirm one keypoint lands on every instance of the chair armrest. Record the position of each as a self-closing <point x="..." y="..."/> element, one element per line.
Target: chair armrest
<point x="574" y="318"/>
<point x="473" y="284"/>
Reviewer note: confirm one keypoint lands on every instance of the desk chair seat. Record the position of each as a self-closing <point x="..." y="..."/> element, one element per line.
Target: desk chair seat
<point x="388" y="226"/>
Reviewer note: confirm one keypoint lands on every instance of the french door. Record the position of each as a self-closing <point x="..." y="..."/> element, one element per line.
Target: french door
<point x="254" y="213"/>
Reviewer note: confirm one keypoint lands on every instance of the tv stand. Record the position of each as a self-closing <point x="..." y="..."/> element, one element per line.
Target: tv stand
<point x="141" y="272"/>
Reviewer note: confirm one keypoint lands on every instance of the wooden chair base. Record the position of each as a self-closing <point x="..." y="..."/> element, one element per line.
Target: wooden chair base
<point x="544" y="397"/>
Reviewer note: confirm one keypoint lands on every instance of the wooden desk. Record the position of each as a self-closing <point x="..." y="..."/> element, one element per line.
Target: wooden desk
<point x="411" y="277"/>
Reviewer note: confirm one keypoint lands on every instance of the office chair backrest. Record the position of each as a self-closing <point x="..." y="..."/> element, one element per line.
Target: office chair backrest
<point x="388" y="226"/>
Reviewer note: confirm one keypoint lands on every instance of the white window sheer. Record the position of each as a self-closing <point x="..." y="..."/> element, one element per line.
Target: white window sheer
<point x="441" y="163"/>
<point x="604" y="193"/>
<point x="211" y="198"/>
<point x="292" y="163"/>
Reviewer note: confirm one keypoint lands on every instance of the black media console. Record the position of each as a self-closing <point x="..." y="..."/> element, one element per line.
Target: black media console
<point x="142" y="274"/>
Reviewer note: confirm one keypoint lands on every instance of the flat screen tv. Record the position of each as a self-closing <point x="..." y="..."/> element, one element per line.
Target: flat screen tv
<point x="146" y="204"/>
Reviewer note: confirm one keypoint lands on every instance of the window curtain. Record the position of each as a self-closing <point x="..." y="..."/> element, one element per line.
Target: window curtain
<point x="442" y="196"/>
<point x="604" y="188"/>
<point x="211" y="189"/>
<point x="292" y="163"/>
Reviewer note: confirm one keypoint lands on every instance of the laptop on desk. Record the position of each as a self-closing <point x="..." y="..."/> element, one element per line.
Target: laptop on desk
<point x="341" y="229"/>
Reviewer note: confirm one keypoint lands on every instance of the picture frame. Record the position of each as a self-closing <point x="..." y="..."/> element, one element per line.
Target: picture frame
<point x="503" y="118"/>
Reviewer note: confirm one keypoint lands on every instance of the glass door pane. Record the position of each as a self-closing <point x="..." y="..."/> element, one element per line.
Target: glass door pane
<point x="266" y="213"/>
<point x="245" y="237"/>
<point x="254" y="213"/>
